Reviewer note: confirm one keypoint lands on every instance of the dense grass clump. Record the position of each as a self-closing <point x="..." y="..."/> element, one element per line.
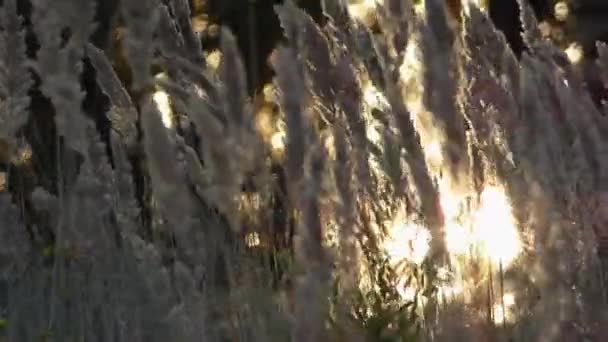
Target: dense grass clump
<point x="156" y="192"/>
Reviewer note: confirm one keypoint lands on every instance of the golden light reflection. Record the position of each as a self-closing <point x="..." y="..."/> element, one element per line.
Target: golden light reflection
<point x="481" y="232"/>
<point x="408" y="242"/>
<point x="487" y="234"/>
<point x="490" y="230"/>
<point x="574" y="53"/>
<point x="487" y="229"/>
<point x="163" y="103"/>
<point x="503" y="311"/>
<point x="363" y="10"/>
<point x="252" y="239"/>
<point x="479" y="228"/>
<point x="495" y="228"/>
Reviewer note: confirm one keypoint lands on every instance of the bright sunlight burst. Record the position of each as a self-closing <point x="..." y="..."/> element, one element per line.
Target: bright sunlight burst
<point x="478" y="227"/>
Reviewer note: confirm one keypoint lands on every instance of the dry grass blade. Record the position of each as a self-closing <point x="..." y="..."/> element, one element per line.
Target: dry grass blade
<point x="171" y="42"/>
<point x="123" y="114"/>
<point x="232" y="76"/>
<point x="396" y="20"/>
<point x="290" y="82"/>
<point x="194" y="73"/>
<point x="346" y="206"/>
<point x="531" y="32"/>
<point x="440" y="84"/>
<point x="316" y="52"/>
<point x="312" y="307"/>
<point x="15" y="78"/>
<point x="423" y="183"/>
<point x="166" y="179"/>
<point x="192" y="44"/>
<point x="290" y="17"/>
<point x="141" y="19"/>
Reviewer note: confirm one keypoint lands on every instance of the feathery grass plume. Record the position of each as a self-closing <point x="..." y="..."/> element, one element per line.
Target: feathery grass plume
<point x="173" y="50"/>
<point x="590" y="125"/>
<point x="15" y="77"/>
<point x="479" y="33"/>
<point x="348" y="253"/>
<point x="59" y="65"/>
<point x="539" y="99"/>
<point x="337" y="10"/>
<point x="316" y="51"/>
<point x="531" y="127"/>
<point x="212" y="193"/>
<point x="490" y="72"/>
<point x="15" y="245"/>
<point x="531" y="32"/>
<point x="123" y="114"/>
<point x="587" y="158"/>
<point x="220" y="179"/>
<point x="90" y="247"/>
<point x="192" y="44"/>
<point x="486" y="82"/>
<point x="440" y="87"/>
<point x="141" y="20"/>
<point x="391" y="161"/>
<point x="397" y="24"/>
<point x="166" y="178"/>
<point x="390" y="58"/>
<point x="191" y="310"/>
<point x="312" y="288"/>
<point x="195" y="173"/>
<point x="546" y="123"/>
<point x="361" y="44"/>
<point x="305" y="181"/>
<point x="225" y="124"/>
<point x="199" y="77"/>
<point x="424" y="187"/>
<point x="552" y="233"/>
<point x="489" y="100"/>
<point x="396" y="21"/>
<point x="170" y="40"/>
<point x="510" y="71"/>
<point x="345" y="213"/>
<point x="483" y="80"/>
<point x="126" y="208"/>
<point x="156" y="294"/>
<point x="602" y="63"/>
<point x="348" y="95"/>
<point x="290" y="18"/>
<point x="602" y="50"/>
<point x="290" y="83"/>
<point x="95" y="180"/>
<point x="233" y="91"/>
<point x="529" y="106"/>
<point x="59" y="62"/>
<point x="584" y="159"/>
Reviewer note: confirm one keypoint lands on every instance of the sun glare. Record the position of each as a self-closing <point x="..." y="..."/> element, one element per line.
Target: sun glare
<point x="487" y="234"/>
<point x="408" y="242"/>
<point x="489" y="231"/>
<point x="163" y="104"/>
<point x="496" y="230"/>
<point x="479" y="228"/>
<point x="503" y="311"/>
